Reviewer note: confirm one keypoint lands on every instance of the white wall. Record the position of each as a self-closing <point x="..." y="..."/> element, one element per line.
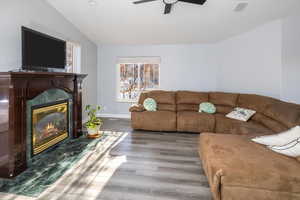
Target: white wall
<point x="291" y="59"/>
<point x="251" y="62"/>
<point x="39" y="15"/>
<point x="263" y="61"/>
<point x="183" y="67"/>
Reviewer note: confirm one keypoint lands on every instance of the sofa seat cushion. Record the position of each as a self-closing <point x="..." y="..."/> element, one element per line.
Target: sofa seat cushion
<point x="188" y="121"/>
<point x="232" y="126"/>
<point x="233" y="161"/>
<point x="155" y="121"/>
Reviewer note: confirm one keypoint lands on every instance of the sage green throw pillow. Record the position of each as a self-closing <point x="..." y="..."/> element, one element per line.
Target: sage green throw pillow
<point x="150" y="104"/>
<point x="207" y="108"/>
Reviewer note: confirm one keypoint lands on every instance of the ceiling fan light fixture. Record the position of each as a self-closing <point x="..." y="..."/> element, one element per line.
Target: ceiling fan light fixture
<point x="170" y="1"/>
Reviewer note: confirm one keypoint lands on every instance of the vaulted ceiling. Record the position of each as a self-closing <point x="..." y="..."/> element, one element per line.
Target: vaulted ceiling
<point x="122" y="22"/>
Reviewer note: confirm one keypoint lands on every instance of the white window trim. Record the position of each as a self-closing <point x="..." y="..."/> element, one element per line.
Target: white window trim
<point x="77" y="59"/>
<point x="76" y="68"/>
<point x="118" y="81"/>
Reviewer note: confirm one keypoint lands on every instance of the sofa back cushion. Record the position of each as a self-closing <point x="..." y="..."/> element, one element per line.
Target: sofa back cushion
<point x="275" y="114"/>
<point x="255" y="102"/>
<point x="224" y="99"/>
<point x="286" y="113"/>
<point x="270" y="123"/>
<point x="166" y="100"/>
<point x="190" y="101"/>
<point x="188" y="97"/>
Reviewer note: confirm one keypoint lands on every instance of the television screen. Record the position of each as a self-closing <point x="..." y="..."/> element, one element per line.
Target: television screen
<point x="41" y="51"/>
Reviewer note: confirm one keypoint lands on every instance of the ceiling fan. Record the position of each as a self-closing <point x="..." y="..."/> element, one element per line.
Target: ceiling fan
<point x="169" y="3"/>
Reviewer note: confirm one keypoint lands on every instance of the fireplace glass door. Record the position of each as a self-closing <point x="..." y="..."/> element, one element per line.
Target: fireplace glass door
<point x="49" y="126"/>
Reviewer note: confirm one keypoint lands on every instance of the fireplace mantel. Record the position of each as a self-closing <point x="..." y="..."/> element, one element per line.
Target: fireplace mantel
<point x="16" y="88"/>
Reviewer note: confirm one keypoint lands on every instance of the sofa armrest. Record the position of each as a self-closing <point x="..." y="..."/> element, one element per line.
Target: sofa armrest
<point x="137" y="108"/>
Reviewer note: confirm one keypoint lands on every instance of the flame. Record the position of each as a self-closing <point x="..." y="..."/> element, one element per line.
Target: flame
<point x="49" y="126"/>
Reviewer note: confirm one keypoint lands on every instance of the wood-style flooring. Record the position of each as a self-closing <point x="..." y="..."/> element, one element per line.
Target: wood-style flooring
<point x="143" y="166"/>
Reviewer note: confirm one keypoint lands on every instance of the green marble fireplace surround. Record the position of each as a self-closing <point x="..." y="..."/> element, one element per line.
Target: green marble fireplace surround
<point x="47" y="97"/>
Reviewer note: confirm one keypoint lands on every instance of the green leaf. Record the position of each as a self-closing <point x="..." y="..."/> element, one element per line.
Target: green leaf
<point x="93" y="120"/>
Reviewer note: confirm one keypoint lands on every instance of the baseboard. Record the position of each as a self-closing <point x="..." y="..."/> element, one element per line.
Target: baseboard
<point x="107" y="115"/>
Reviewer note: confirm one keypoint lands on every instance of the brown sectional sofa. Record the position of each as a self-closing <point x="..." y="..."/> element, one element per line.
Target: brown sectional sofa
<point x="236" y="167"/>
<point x="178" y="111"/>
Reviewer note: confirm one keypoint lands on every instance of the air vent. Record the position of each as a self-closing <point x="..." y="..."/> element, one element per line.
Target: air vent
<point x="240" y="6"/>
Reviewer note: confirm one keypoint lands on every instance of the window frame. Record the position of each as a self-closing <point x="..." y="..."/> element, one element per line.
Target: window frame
<point x="75" y="56"/>
<point x="118" y="81"/>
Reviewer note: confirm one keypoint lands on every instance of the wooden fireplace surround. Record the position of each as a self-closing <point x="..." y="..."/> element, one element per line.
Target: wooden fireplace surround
<point x="16" y="88"/>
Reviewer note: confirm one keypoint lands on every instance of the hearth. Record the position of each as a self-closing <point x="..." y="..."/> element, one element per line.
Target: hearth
<point x="49" y="125"/>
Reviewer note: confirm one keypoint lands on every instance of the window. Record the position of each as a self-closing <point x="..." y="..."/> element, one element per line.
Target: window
<point x="73" y="57"/>
<point x="136" y="75"/>
<point x="70" y="54"/>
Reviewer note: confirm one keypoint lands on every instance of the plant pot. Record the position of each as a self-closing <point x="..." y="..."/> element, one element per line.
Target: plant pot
<point x="93" y="131"/>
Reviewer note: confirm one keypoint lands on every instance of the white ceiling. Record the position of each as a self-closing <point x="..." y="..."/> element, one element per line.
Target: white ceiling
<point x="122" y="22"/>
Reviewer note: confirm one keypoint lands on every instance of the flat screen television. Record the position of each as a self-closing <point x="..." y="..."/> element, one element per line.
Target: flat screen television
<point x="42" y="52"/>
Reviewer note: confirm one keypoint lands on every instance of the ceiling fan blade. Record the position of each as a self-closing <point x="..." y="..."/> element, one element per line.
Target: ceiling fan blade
<point x="143" y="1"/>
<point x="200" y="2"/>
<point x="168" y="8"/>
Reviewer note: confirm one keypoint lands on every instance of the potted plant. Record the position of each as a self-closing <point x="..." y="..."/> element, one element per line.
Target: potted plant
<point x="93" y="124"/>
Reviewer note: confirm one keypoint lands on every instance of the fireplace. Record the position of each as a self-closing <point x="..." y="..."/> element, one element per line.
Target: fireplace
<point x="21" y="93"/>
<point x="50" y="125"/>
